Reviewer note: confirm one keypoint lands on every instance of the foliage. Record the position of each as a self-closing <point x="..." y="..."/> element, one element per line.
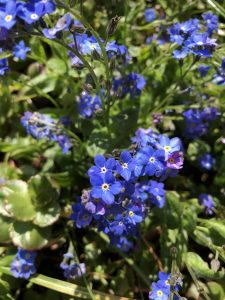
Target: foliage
<point x="111" y="115"/>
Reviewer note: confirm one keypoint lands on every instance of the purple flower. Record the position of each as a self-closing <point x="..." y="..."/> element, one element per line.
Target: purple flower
<point x="175" y="160"/>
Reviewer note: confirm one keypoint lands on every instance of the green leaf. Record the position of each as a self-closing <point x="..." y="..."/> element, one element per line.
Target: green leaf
<point x="66" y="287"/>
<point x="4" y="287"/>
<point x="200" y="267"/>
<point x="29" y="236"/>
<point x="41" y="191"/>
<point x="47" y="215"/>
<point x="216" y="291"/>
<point x="5" y="226"/>
<point x="57" y="65"/>
<point x="17" y="200"/>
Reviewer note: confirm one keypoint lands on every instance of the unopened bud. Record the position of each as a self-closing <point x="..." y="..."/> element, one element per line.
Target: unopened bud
<point x="111" y="28"/>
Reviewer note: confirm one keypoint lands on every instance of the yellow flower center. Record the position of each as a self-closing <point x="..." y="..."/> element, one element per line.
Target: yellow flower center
<point x="131" y="213"/>
<point x="159" y="293"/>
<point x="167" y="148"/>
<point x="105" y="187"/>
<point x="158" y="198"/>
<point x="171" y="160"/>
<point x="8" y="18"/>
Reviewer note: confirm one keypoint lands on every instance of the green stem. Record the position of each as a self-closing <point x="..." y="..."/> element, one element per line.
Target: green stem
<point x="200" y="289"/>
<point x="72" y="241"/>
<point x="104" y="54"/>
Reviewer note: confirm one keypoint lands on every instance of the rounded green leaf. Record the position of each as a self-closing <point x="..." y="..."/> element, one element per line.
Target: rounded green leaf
<point x="47" y="215"/>
<point x="41" y="191"/>
<point x="29" y="236"/>
<point x="5" y="227"/>
<point x="18" y="202"/>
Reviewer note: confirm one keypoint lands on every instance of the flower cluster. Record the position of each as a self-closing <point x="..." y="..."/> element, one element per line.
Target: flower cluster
<point x="161" y="288"/>
<point x="124" y="188"/>
<point x="88" y="105"/>
<point x="131" y="84"/>
<point x="29" y="12"/>
<point x="207" y="202"/>
<point x="22" y="265"/>
<point x="191" y="37"/>
<point x="71" y="269"/>
<point x="197" y="121"/>
<point x="40" y="126"/>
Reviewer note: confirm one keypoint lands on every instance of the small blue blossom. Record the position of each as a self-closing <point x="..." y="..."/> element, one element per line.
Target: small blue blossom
<point x="152" y="161"/>
<point x="8" y="15"/>
<point x="105" y="187"/>
<point x="22" y="265"/>
<point x="81" y="215"/>
<point x="203" y="70"/>
<point x="102" y="166"/>
<point x="150" y="15"/>
<point x="211" y="22"/>
<point x="20" y="50"/>
<point x="3" y="65"/>
<point x="71" y="269"/>
<point x="40" y="126"/>
<point x="207" y="201"/>
<point x="207" y="161"/>
<point x="126" y="165"/>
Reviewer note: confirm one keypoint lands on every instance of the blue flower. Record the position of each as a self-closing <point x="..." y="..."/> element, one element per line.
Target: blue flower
<point x="152" y="161"/>
<point x="20" y="50"/>
<point x="71" y="269"/>
<point x="88" y="104"/>
<point x="157" y="193"/>
<point x="81" y="215"/>
<point x="105" y="187"/>
<point x="48" y="6"/>
<point x="158" y="293"/>
<point x="134" y="214"/>
<point x="201" y="44"/>
<point x="126" y="165"/>
<point x="203" y="70"/>
<point x="8" y="14"/>
<point x="180" y="54"/>
<point x="207" y="161"/>
<point x="62" y="24"/>
<point x="207" y="201"/>
<point x="211" y="22"/>
<point x="31" y="13"/>
<point x="150" y="15"/>
<point x="40" y="126"/>
<point x="119" y="225"/>
<point x="102" y="166"/>
<point x="169" y="145"/>
<point x="3" y="65"/>
<point x="22" y="265"/>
